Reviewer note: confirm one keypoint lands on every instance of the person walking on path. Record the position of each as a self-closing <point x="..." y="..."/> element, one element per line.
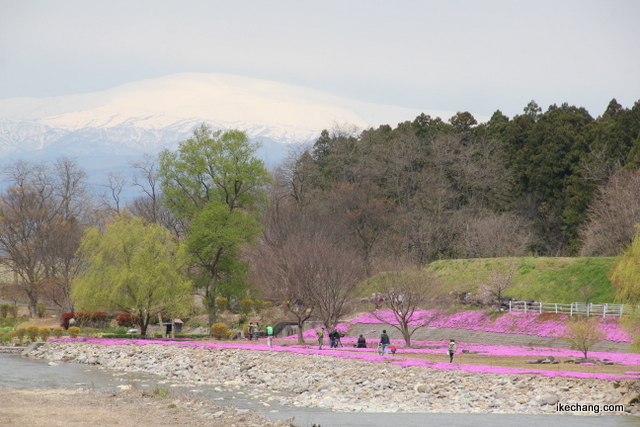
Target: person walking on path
<point x="320" y="333"/>
<point x="270" y="336"/>
<point x="451" y="350"/>
<point x="384" y="342"/>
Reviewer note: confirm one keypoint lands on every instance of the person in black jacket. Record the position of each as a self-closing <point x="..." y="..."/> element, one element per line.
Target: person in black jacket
<point x="362" y="343"/>
<point x="384" y="343"/>
<point x="334" y="337"/>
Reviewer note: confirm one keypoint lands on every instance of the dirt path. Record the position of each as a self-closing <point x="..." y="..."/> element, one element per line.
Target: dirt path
<point x="80" y="408"/>
<point x="520" y="362"/>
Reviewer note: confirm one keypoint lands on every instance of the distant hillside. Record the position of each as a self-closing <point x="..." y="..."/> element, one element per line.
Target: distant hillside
<point x="561" y="280"/>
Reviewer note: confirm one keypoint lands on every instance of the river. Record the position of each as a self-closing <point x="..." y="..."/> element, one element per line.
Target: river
<point x="21" y="372"/>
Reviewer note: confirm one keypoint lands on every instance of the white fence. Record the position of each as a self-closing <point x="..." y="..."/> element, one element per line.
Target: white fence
<point x="578" y="308"/>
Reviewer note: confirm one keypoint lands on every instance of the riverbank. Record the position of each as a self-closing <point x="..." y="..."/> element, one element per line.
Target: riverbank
<point x="347" y="384"/>
<point x="82" y="407"/>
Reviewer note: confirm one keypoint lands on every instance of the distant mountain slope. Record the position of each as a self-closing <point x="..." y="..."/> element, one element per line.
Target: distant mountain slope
<point x="102" y="128"/>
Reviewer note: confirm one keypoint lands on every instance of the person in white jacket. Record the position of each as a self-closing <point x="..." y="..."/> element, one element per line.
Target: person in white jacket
<point x="451" y="350"/>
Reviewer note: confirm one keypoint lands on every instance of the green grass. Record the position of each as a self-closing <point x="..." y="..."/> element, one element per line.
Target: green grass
<point x="562" y="280"/>
<point x="547" y="279"/>
<point x="9" y="322"/>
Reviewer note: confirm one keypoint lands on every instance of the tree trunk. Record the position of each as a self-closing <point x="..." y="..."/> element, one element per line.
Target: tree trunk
<point x="144" y="323"/>
<point x="211" y="309"/>
<point x="300" y="337"/>
<point x="406" y="335"/>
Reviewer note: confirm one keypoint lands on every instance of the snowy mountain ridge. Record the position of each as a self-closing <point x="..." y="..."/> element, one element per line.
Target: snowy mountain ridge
<point x="146" y="116"/>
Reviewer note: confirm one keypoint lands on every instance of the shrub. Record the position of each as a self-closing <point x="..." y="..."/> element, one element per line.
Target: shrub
<point x="246" y="305"/>
<point x="57" y="331"/>
<point x="222" y="303"/>
<point x="93" y="319"/>
<point x="13" y="311"/>
<point x="220" y="331"/>
<point x="33" y="332"/>
<point x="41" y="310"/>
<point x="44" y="333"/>
<point x="4" y="310"/>
<point x="20" y="333"/>
<point x="262" y="305"/>
<point x="3" y="336"/>
<point x="73" y="331"/>
<point x="89" y="332"/>
<point x="127" y="320"/>
<point x="64" y="319"/>
<point x="12" y="335"/>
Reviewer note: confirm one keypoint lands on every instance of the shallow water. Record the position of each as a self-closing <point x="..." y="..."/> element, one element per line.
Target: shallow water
<point x="21" y="372"/>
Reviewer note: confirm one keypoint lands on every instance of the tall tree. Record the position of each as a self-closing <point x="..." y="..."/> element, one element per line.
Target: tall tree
<point x="215" y="184"/>
<point x="134" y="268"/>
<point x="42" y="215"/>
<point x="612" y="215"/>
<point x="212" y="165"/>
<point x="215" y="239"/>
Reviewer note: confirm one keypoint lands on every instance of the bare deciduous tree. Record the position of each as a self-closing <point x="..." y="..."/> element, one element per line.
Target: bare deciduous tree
<point x="490" y="235"/>
<point x="150" y="204"/>
<point x="280" y="272"/>
<point x="497" y="281"/>
<point x="40" y="226"/>
<point x="112" y="197"/>
<point x="334" y="273"/>
<point x="612" y="216"/>
<point x="406" y="293"/>
<point x="583" y="333"/>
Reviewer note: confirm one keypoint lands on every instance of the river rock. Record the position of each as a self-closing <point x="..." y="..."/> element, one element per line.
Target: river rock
<point x="342" y="384"/>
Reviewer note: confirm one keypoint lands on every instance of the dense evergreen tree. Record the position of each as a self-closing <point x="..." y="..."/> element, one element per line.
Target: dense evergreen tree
<point x="538" y="170"/>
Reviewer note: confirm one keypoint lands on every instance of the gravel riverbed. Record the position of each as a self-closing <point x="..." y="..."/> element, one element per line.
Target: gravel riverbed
<point x="349" y="385"/>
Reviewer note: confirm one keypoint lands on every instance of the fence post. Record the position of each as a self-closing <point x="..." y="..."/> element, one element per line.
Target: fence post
<point x="556" y="308"/>
<point x="540" y="307"/>
<point x="525" y="306"/>
<point x="571" y="311"/>
<point x="604" y="311"/>
<point x="509" y="306"/>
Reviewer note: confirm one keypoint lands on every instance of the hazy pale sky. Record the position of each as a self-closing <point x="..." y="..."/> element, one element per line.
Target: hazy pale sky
<point x="476" y="56"/>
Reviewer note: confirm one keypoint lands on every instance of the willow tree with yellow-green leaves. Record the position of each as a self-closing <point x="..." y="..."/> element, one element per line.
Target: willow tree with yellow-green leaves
<point x="135" y="268"/>
<point x="625" y="277"/>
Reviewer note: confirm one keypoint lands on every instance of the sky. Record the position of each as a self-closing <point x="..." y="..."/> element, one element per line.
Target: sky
<point x="476" y="56"/>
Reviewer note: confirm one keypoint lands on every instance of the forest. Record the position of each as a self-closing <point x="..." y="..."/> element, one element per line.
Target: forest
<point x="558" y="183"/>
<point x="352" y="205"/>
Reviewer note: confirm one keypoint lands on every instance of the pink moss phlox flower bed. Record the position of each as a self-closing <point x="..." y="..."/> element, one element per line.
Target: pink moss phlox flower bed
<point x="508" y="323"/>
<point x="341" y="353"/>
<point x="311" y="334"/>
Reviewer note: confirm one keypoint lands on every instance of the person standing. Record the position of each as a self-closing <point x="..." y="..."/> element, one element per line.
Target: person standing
<point x="250" y="331"/>
<point x="384" y="342"/>
<point x="334" y="338"/>
<point x="362" y="342"/>
<point x="451" y="350"/>
<point x="320" y="334"/>
<point x="270" y="336"/>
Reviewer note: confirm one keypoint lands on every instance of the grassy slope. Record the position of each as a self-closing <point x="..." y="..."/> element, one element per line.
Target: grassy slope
<point x="539" y="278"/>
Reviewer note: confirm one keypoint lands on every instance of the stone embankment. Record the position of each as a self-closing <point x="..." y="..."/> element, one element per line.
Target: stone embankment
<point x="346" y="384"/>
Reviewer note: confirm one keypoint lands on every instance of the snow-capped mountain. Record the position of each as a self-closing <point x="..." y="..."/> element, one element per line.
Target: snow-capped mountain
<point x="108" y="128"/>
